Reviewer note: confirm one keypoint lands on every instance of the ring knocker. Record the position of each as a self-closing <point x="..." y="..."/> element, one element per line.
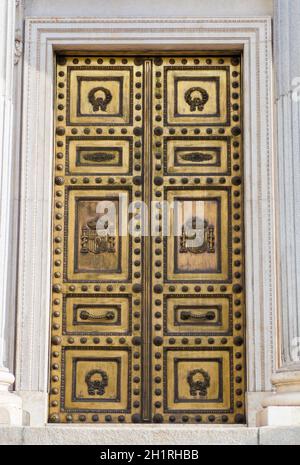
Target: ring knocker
<point x="94" y="384"/>
<point x="196" y="102"/>
<point x="99" y="102"/>
<point x="199" y="381"/>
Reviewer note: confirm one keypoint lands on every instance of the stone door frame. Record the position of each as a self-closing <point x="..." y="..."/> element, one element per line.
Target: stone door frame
<point x="43" y="37"/>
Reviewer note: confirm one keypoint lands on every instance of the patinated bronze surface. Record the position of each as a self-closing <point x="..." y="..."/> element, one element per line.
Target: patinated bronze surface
<point x="148" y="328"/>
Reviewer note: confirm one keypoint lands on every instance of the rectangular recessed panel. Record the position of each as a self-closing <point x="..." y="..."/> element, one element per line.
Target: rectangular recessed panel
<point x="196" y="95"/>
<point x="197" y="381"/>
<point x="100" y="95"/>
<point x="98" y="251"/>
<point x="196" y="155"/>
<point x="197" y="315"/>
<point x="98" y="379"/>
<point x="99" y="155"/>
<point x="198" y="247"/>
<point x="90" y="315"/>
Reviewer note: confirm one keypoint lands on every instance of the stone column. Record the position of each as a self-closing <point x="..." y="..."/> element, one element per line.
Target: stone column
<point x="283" y="407"/>
<point x="10" y="404"/>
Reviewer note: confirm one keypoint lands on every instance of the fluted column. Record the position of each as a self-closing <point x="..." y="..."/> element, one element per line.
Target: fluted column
<point x="283" y="407"/>
<point x="10" y="404"/>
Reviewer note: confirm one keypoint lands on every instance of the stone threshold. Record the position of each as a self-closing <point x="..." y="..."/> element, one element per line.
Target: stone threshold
<point x="173" y="435"/>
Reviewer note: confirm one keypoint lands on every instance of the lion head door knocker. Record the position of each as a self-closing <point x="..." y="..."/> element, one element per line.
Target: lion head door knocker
<point x="96" y="381"/>
<point x="197" y="236"/>
<point x="96" y="241"/>
<point x="196" y="98"/>
<point x="199" y="382"/>
<point x="103" y="99"/>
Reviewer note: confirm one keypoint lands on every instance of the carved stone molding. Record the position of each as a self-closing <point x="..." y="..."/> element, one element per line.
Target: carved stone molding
<point x="10" y="404"/>
<point x="283" y="407"/>
<point x="18" y="50"/>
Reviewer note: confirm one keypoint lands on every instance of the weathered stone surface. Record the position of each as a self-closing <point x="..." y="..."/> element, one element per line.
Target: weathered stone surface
<point x="280" y="436"/>
<point x="130" y="434"/>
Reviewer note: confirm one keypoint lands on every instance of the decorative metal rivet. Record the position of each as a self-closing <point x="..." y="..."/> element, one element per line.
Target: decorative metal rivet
<point x="224" y="418"/>
<point x="95" y="418"/>
<point x="56" y="288"/>
<point x="56" y="340"/>
<point x="236" y="131"/>
<point x="136" y="418"/>
<point x="235" y="61"/>
<point x="137" y="131"/>
<point x="136" y="341"/>
<point x="137" y="180"/>
<point x="157" y="418"/>
<point x="59" y="180"/>
<point x="158" y="289"/>
<point x="238" y="341"/>
<point x="61" y="60"/>
<point x="138" y="61"/>
<point x="158" y="181"/>
<point x="121" y="418"/>
<point x="158" y="61"/>
<point x="237" y="289"/>
<point x="158" y="131"/>
<point x="158" y="341"/>
<point x="54" y="418"/>
<point x="60" y="131"/>
<point x="240" y="419"/>
<point x="236" y="181"/>
<point x="137" y="288"/>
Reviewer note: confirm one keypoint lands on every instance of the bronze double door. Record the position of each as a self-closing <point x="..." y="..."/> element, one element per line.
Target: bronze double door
<point x="148" y="327"/>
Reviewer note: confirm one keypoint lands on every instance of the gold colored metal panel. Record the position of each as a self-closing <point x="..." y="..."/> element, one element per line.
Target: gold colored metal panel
<point x="148" y="328"/>
<point x="198" y="357"/>
<point x="96" y="329"/>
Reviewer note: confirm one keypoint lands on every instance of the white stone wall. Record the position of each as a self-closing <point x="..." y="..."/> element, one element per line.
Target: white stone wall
<point x="144" y="8"/>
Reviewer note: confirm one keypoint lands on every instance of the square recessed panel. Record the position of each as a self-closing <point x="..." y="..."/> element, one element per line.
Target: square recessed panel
<point x="197" y="96"/>
<point x="99" y="155"/>
<point x="196" y="155"/>
<point x="100" y="95"/>
<point x="98" y="379"/>
<point x="97" y="253"/>
<point x="202" y="315"/>
<point x="197" y="380"/>
<point x="87" y="314"/>
<point x="199" y="239"/>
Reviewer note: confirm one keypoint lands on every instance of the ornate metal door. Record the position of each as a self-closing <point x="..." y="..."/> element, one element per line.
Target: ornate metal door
<point x="148" y="325"/>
